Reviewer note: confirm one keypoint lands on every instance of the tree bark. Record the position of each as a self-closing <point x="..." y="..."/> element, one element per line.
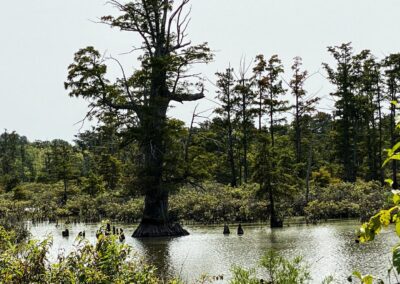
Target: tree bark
<point x="155" y="221"/>
<point x="380" y="146"/>
<point x="245" y="134"/>
<point x="309" y="164"/>
<point x="231" y="157"/>
<point x="393" y="140"/>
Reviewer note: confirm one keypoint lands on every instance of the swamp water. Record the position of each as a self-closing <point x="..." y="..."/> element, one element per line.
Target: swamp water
<point x="329" y="249"/>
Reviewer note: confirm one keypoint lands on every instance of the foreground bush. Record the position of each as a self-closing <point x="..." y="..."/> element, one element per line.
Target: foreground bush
<point x="279" y="270"/>
<point x="106" y="262"/>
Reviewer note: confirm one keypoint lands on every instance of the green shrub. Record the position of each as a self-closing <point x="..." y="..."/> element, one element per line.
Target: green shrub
<point x="20" y="193"/>
<point x="107" y="262"/>
<point x="283" y="271"/>
<point x="346" y="200"/>
<point x="218" y="203"/>
<point x="278" y="269"/>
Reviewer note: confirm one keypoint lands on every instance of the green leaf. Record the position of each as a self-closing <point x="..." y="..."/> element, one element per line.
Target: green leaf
<point x="385" y="218"/>
<point x="396" y="147"/>
<point x="389" y="182"/>
<point x="394" y="103"/>
<point x="368" y="279"/>
<point x="396" y="198"/>
<point x="398" y="228"/>
<point x="385" y="162"/>
<point x="393" y="157"/>
<point x="357" y="274"/>
<point x="396" y="258"/>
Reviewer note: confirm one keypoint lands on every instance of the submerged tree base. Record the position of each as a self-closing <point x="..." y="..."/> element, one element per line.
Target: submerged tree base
<point x="276" y="223"/>
<point x="146" y="230"/>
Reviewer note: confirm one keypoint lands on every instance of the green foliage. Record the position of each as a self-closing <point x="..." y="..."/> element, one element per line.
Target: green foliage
<point x="283" y="271"/>
<point x="243" y="276"/>
<point x="381" y="220"/>
<point x="365" y="279"/>
<point x="93" y="184"/>
<point x="216" y="204"/>
<point x="279" y="270"/>
<point x="20" y="193"/>
<point x="16" y="160"/>
<point x="106" y="262"/>
<point x="345" y="200"/>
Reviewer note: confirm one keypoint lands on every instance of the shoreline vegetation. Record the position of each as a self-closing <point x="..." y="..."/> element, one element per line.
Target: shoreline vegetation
<point x="215" y="204"/>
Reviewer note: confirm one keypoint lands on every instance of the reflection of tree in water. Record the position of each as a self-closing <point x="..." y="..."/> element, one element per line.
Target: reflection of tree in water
<point x="273" y="236"/>
<point x="279" y="241"/>
<point x="157" y="253"/>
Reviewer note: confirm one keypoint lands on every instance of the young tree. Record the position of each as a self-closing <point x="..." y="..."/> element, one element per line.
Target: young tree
<point x="275" y="104"/>
<point x="16" y="163"/>
<point x="63" y="164"/>
<point x="303" y="106"/>
<point x="141" y="101"/>
<point x="226" y="96"/>
<point x="268" y="173"/>
<point x="368" y="79"/>
<point x="343" y="78"/>
<point x="244" y="113"/>
<point x="261" y="85"/>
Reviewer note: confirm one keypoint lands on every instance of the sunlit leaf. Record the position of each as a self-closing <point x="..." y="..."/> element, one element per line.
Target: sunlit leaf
<point x="396" y="199"/>
<point x="398" y="229"/>
<point x="389" y="182"/>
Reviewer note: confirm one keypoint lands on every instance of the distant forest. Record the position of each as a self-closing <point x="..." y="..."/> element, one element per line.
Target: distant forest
<point x="247" y="140"/>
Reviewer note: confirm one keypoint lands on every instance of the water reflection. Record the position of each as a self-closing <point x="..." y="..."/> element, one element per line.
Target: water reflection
<point x="157" y="252"/>
<point x="330" y="249"/>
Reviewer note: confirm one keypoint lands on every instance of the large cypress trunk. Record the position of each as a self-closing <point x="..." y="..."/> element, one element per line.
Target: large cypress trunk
<point x="155" y="221"/>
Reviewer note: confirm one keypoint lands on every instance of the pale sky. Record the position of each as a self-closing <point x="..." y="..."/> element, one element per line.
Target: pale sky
<point x="40" y="37"/>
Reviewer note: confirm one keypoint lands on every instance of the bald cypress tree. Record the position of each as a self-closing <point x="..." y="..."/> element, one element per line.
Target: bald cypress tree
<point x="245" y="113"/>
<point x="303" y="105"/>
<point x="228" y="99"/>
<point x="141" y="100"/>
<point x="342" y="76"/>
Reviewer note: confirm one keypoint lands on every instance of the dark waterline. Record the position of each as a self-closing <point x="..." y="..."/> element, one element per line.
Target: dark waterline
<point x="329" y="249"/>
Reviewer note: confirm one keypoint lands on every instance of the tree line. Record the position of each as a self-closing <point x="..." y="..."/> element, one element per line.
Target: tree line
<point x="250" y="138"/>
<point x="138" y="147"/>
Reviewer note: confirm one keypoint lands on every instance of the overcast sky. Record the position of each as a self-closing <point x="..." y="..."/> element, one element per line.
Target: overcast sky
<point x="39" y="38"/>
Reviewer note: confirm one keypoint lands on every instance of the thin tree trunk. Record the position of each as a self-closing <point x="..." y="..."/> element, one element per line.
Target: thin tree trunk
<point x="65" y="196"/>
<point x="393" y="139"/>
<point x="309" y="163"/>
<point x="189" y="140"/>
<point x="298" y="130"/>
<point x="231" y="157"/>
<point x="271" y="117"/>
<point x="260" y="112"/>
<point x="380" y="141"/>
<point x="244" y="126"/>
<point x="380" y="159"/>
